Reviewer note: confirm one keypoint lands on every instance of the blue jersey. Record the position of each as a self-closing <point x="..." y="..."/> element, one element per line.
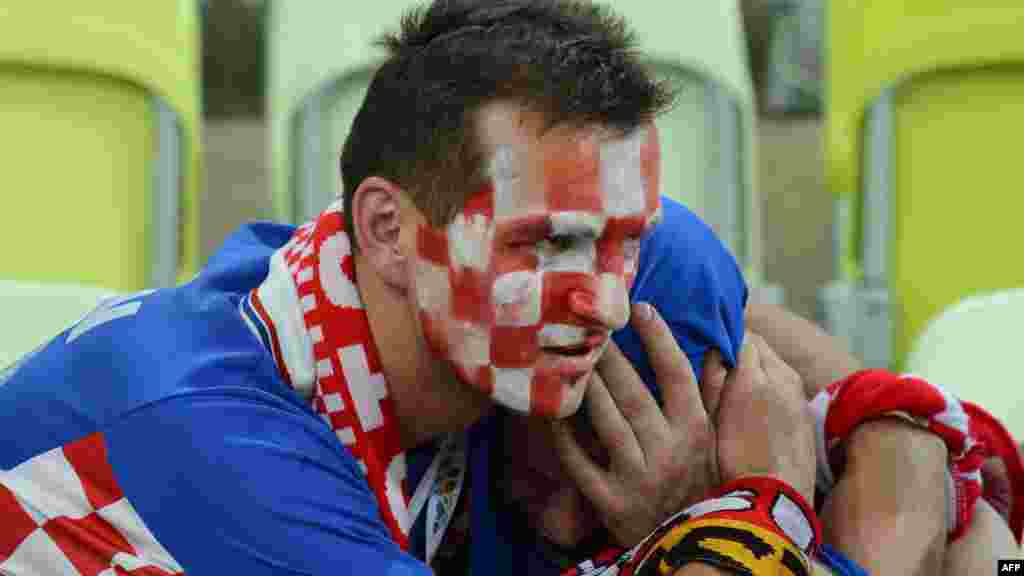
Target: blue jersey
<point x="157" y="436"/>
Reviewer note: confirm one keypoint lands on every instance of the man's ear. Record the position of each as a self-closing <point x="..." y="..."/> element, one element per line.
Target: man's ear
<point x="377" y="218"/>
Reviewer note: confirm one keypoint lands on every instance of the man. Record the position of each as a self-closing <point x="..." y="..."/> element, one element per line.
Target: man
<point x="300" y="405"/>
<point x="297" y="406"/>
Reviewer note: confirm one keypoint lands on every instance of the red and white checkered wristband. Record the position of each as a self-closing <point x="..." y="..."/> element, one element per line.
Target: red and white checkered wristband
<point x="756" y="526"/>
<point x="971" y="435"/>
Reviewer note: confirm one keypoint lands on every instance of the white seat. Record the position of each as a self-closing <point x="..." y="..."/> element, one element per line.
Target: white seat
<point x="972" y="349"/>
<point x="33" y="313"/>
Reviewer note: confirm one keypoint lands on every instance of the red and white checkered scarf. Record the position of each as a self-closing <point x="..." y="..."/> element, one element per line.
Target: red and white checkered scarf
<point x="320" y="338"/>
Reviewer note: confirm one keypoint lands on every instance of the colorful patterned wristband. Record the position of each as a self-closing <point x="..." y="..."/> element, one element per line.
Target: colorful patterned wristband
<point x="755" y="526"/>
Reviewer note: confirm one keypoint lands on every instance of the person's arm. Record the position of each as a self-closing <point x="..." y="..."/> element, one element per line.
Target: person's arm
<point x="987" y="540"/>
<point x="818" y="357"/>
<point x="888" y="510"/>
<point x="239" y="481"/>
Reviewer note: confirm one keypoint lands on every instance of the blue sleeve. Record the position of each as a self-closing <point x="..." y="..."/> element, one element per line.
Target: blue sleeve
<point x="695" y="284"/>
<point x="839" y="564"/>
<point x="236" y="481"/>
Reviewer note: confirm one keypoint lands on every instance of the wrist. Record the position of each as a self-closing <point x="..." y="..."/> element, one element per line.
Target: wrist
<point x="754" y="525"/>
<point x="907" y="440"/>
<point x="864" y="517"/>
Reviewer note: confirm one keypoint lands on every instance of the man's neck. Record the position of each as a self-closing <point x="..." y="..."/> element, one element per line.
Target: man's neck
<point x="429" y="400"/>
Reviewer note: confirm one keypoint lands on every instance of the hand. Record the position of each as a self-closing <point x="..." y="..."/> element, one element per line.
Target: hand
<point x="988" y="539"/>
<point x="643" y="464"/>
<point x="998" y="487"/>
<point x="818" y="357"/>
<point x="763" y="422"/>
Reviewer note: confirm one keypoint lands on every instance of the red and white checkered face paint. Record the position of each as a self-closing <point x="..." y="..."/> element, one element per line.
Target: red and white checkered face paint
<point x="521" y="291"/>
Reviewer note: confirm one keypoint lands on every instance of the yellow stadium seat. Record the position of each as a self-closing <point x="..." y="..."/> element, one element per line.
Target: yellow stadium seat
<point x="320" y="61"/>
<point x="925" y="107"/>
<point x="99" y="109"/>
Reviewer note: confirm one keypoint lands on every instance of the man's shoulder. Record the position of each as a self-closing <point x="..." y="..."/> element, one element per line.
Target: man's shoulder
<point x="137" y="349"/>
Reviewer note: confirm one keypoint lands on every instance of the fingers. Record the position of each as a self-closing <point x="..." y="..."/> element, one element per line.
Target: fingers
<point x="612" y="429"/>
<point x="671" y="366"/>
<point x="768" y="359"/>
<point x="577" y="464"/>
<point x="631" y="398"/>
<point x="740" y="381"/>
<point x="777" y="371"/>
<point x="713" y="382"/>
<point x="748" y="365"/>
<point x="998" y="487"/>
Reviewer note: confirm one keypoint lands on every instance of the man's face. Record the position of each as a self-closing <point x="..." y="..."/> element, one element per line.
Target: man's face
<point x="521" y="291"/>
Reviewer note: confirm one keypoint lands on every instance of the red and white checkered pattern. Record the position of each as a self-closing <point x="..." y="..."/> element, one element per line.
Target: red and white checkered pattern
<point x="970" y="434"/>
<point x="322" y="343"/>
<point x="64" y="514"/>
<point x="490" y="311"/>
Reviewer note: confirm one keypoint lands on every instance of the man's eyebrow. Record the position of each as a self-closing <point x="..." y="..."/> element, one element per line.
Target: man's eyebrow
<point x="577" y="224"/>
<point x="524" y="228"/>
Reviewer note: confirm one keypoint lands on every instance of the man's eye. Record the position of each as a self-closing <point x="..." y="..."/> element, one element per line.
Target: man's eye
<point x="560" y="243"/>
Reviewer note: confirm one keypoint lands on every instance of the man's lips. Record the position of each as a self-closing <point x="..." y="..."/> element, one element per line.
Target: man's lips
<point x="592" y="341"/>
<point x="577" y="350"/>
<point x="574" y="362"/>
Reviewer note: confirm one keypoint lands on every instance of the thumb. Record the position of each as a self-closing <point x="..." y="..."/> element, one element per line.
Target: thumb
<point x="562" y="520"/>
<point x="712" y="382"/>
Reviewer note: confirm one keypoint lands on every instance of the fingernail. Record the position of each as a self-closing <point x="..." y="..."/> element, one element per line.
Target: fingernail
<point x="715" y="368"/>
<point x="645" y="311"/>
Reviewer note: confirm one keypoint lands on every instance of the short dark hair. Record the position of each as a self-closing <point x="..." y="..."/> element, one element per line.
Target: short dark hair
<point x="572" y="61"/>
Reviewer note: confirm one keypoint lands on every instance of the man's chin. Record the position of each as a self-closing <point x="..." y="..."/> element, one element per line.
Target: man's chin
<point x="571" y="387"/>
<point x="573" y="391"/>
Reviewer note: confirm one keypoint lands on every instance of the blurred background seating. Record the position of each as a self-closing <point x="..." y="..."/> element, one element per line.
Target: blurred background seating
<point x="100" y="112"/>
<point x="972" y="347"/>
<point x="925" y="110"/>
<point x="911" y="154"/>
<point x="251" y="171"/>
<point x="321" y="58"/>
<point x="40" y="310"/>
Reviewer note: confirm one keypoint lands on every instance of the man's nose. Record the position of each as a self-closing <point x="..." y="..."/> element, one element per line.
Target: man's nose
<point x="605" y="303"/>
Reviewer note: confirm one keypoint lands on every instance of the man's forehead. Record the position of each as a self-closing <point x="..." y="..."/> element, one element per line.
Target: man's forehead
<point x="514" y="138"/>
<point x="574" y="172"/>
